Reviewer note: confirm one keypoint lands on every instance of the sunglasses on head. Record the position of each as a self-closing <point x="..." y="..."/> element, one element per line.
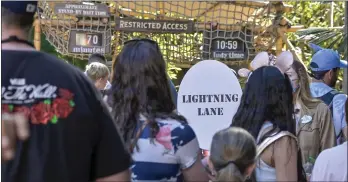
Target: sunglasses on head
<point x="143" y="40"/>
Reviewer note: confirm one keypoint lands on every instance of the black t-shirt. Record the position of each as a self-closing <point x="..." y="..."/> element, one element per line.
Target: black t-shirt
<point x="72" y="136"/>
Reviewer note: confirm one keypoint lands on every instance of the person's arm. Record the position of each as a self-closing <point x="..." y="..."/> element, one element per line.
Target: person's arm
<point x="110" y="159"/>
<point x="121" y="176"/>
<point x="285" y="159"/>
<point x="339" y="113"/>
<point x="345" y="132"/>
<point x="190" y="156"/>
<point x="13" y="127"/>
<point x="196" y="172"/>
<point x="327" y="129"/>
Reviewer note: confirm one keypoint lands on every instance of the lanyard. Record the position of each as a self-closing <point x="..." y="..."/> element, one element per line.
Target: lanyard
<point x="16" y="39"/>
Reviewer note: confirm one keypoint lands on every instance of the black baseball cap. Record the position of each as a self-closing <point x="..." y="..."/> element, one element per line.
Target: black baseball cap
<point x="20" y="7"/>
<point x="97" y="58"/>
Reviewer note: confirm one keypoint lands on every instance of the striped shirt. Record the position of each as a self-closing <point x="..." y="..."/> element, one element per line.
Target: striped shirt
<point x="174" y="148"/>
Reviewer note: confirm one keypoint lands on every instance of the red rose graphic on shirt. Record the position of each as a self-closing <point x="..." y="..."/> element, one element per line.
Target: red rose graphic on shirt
<point x="61" y="108"/>
<point x="65" y="94"/>
<point x="23" y="109"/>
<point x="5" y="108"/>
<point x="41" y="113"/>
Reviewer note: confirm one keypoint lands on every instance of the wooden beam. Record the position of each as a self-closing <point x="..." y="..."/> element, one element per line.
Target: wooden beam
<point x="295" y="28"/>
<point x="37" y="35"/>
<point x="206" y="11"/>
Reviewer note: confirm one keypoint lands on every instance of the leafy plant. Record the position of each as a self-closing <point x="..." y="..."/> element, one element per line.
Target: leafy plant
<point x="48" y="48"/>
<point x="314" y="15"/>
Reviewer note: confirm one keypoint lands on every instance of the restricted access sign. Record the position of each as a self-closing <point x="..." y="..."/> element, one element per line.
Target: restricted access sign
<point x="208" y="97"/>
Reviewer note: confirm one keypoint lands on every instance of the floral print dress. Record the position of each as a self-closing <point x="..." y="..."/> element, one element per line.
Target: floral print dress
<point x="163" y="158"/>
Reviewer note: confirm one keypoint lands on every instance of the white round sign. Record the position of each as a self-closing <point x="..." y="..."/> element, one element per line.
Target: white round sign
<point x="209" y="96"/>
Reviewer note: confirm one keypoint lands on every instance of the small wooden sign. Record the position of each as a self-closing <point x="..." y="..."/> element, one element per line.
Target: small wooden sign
<point x="225" y="45"/>
<point x="228" y="48"/>
<point x="82" y="42"/>
<point x="97" y="10"/>
<point x="145" y="25"/>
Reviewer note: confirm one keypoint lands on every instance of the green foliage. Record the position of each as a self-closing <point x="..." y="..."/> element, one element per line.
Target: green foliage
<point x="317" y="14"/>
<point x="172" y="70"/>
<point x="48" y="48"/>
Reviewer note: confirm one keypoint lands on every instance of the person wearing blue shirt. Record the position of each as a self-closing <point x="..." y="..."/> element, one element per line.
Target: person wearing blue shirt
<point x="325" y="66"/>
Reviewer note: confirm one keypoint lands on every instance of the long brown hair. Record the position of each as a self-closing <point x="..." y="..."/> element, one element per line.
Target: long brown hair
<point x="303" y="94"/>
<point x="140" y="87"/>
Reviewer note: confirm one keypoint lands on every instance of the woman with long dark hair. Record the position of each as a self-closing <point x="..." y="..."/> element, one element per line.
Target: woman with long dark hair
<point x="266" y="111"/>
<point x="163" y="145"/>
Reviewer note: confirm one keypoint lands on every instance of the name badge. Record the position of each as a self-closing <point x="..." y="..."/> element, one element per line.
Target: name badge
<point x="306" y="119"/>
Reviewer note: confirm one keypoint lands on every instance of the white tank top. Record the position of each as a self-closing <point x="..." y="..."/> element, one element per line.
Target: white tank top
<point x="263" y="171"/>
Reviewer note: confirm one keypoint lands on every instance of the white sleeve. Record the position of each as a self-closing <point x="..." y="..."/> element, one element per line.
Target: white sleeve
<point x="317" y="173"/>
<point x="187" y="146"/>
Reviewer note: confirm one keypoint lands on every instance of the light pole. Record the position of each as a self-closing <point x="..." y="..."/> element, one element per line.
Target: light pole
<point x="345" y="76"/>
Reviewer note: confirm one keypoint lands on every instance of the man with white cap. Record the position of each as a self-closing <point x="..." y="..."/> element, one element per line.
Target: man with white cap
<point x="325" y="66"/>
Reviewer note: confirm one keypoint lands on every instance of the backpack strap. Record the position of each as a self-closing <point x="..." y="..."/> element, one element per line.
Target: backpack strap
<point x="328" y="98"/>
<point x="269" y="140"/>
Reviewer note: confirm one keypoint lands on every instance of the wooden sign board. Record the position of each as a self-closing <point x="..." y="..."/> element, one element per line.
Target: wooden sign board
<point x="97" y="10"/>
<point x="225" y="45"/>
<point x="82" y="42"/>
<point x="145" y="25"/>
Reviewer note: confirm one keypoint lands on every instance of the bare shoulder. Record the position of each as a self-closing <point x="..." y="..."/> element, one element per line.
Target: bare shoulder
<point x="283" y="144"/>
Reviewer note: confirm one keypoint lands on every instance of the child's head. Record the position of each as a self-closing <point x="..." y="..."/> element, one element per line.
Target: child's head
<point x="232" y="154"/>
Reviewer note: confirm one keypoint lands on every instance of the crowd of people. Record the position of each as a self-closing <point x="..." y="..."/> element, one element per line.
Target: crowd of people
<point x="62" y="124"/>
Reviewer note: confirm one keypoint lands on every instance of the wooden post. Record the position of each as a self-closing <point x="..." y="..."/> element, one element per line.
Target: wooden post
<point x="279" y="45"/>
<point x="114" y="55"/>
<point x="37" y="35"/>
<point x="332" y="13"/>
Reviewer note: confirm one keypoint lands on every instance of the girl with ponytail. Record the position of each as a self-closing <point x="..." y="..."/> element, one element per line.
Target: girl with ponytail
<point x="233" y="153"/>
